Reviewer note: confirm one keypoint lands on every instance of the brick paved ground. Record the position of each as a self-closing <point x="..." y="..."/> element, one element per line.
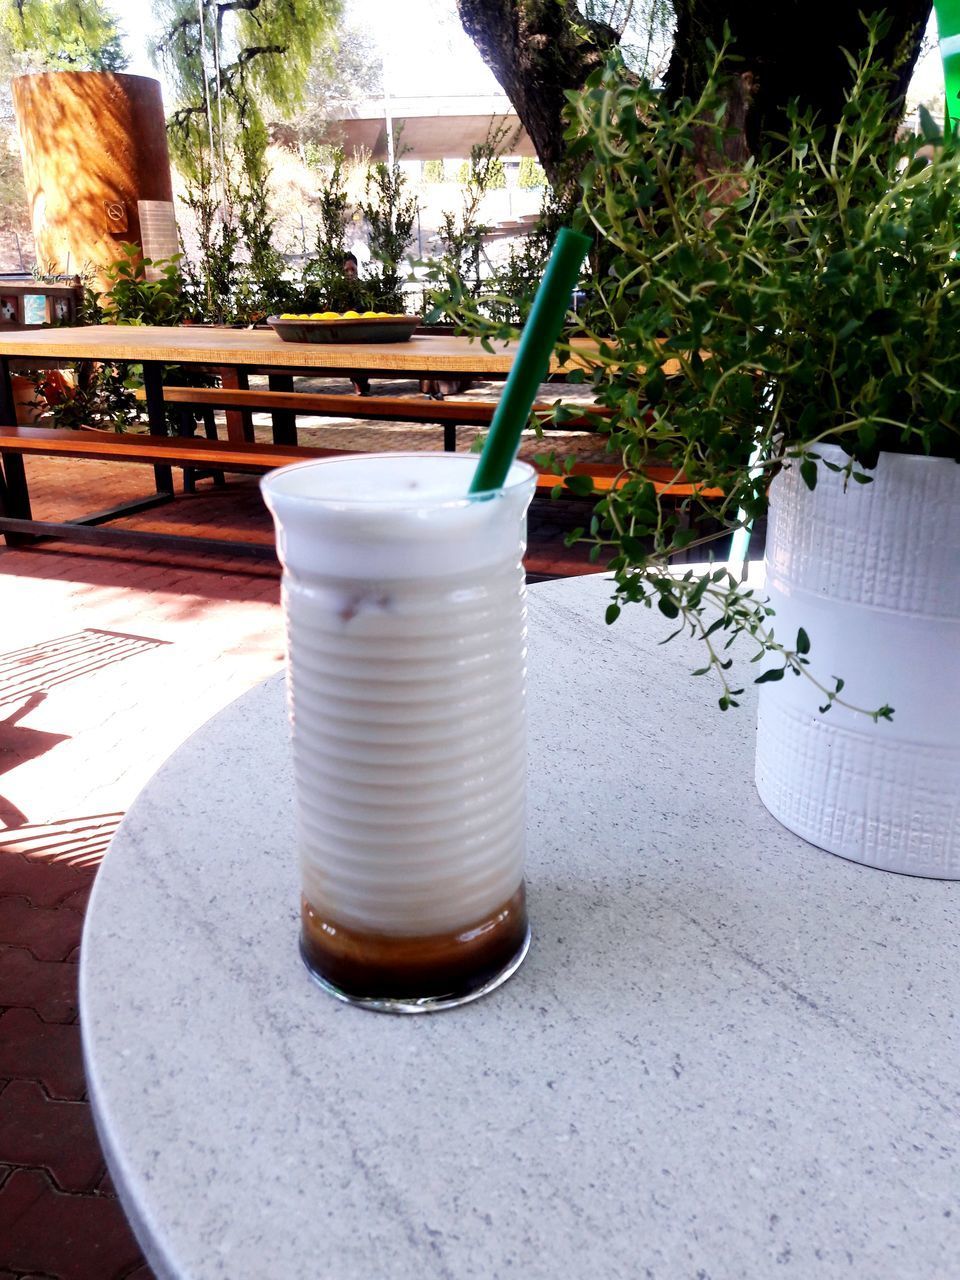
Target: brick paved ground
<point x="108" y="661"/>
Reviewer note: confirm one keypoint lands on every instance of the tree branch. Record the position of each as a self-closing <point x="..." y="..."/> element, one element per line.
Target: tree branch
<point x="248" y="5"/>
<point x="255" y="50"/>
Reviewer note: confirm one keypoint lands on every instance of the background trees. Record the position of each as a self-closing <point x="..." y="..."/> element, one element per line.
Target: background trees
<point x="230" y="62"/>
<point x="243" y="58"/>
<point x="45" y="35"/>
<point x="79" y="35"/>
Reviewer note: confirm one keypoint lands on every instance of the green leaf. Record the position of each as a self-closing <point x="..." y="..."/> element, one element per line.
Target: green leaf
<point x="807" y="422"/>
<point x="667" y="607"/>
<point x="929" y="128"/>
<point x="845" y="331"/>
<point x="774" y="673"/>
<point x="803" y="641"/>
<point x="582" y="486"/>
<point x="612" y="614"/>
<point x="883" y="322"/>
<point x="655" y="387"/>
<point x="634" y="547"/>
<point x="808" y="471"/>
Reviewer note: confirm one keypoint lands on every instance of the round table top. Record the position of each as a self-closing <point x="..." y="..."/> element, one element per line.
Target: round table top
<point x="726" y="1051"/>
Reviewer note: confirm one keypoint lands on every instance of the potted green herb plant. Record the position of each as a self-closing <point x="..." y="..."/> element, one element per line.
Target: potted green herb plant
<point x="786" y="331"/>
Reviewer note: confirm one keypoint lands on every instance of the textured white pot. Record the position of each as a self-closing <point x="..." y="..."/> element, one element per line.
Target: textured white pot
<point x="873" y="576"/>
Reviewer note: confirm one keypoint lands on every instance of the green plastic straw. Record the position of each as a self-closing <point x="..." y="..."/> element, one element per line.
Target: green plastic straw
<point x="537" y="341"/>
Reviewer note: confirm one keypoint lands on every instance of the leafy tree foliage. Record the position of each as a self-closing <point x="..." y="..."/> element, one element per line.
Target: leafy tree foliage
<point x="494" y="177"/>
<point x="645" y="31"/>
<point x="531" y="175"/>
<point x="247" y="56"/>
<point x="390" y="213"/>
<point x="231" y="61"/>
<point x="348" y="69"/>
<point x="78" y="35"/>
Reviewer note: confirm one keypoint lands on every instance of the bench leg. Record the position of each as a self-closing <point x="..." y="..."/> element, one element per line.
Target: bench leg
<point x="15" y="496"/>
<point x="210" y="431"/>
<point x="188" y="429"/>
<point x="284" y="420"/>
<point x="157" y="418"/>
<point x="239" y="421"/>
<point x="450" y="437"/>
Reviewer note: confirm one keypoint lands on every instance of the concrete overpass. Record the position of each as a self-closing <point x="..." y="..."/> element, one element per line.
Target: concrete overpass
<point x="427" y="128"/>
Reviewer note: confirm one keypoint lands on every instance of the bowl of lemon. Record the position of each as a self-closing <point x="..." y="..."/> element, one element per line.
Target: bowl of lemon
<point x="343" y="326"/>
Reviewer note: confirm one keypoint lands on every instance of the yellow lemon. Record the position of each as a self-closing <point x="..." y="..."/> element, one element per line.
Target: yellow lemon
<point x="370" y="315"/>
<point x="288" y="315"/>
<point x="351" y="315"/>
<point x="317" y="315"/>
<point x="330" y="315"/>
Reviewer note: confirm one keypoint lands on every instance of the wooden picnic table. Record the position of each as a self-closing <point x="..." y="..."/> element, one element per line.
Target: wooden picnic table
<point x="423" y="356"/>
<point x="234" y="353"/>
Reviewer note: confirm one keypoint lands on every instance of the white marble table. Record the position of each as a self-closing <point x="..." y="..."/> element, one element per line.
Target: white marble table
<point x="727" y="1054"/>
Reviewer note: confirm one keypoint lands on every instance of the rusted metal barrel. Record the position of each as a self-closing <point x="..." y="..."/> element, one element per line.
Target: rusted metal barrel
<point x="96" y="167"/>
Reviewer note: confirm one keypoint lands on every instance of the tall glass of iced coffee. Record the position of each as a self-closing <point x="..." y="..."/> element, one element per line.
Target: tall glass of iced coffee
<point x="406" y="622"/>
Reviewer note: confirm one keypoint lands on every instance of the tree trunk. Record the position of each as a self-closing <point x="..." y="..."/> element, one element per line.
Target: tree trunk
<point x="537" y="50"/>
<point x="791" y="50"/>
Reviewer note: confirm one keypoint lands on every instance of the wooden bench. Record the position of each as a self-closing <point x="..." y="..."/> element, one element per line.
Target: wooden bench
<point x="164" y="453"/>
<point x="285" y="406"/>
<point x="447" y="413"/>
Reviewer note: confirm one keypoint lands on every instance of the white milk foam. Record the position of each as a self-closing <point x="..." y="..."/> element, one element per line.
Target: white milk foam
<point x="406" y="619"/>
<point x="379" y="516"/>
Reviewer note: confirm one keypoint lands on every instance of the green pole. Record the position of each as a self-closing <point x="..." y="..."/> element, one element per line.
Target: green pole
<point x="948" y="31"/>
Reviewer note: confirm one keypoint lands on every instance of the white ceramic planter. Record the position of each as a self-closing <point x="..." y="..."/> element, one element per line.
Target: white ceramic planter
<point x="873" y="576"/>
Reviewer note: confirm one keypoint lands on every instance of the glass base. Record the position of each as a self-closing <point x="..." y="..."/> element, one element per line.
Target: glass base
<point x="425" y="1004"/>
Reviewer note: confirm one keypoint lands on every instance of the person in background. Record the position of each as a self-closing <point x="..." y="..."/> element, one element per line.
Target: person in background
<point x="351" y="271"/>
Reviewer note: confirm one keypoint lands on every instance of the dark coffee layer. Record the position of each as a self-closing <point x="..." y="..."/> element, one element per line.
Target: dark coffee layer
<point x="382" y="966"/>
